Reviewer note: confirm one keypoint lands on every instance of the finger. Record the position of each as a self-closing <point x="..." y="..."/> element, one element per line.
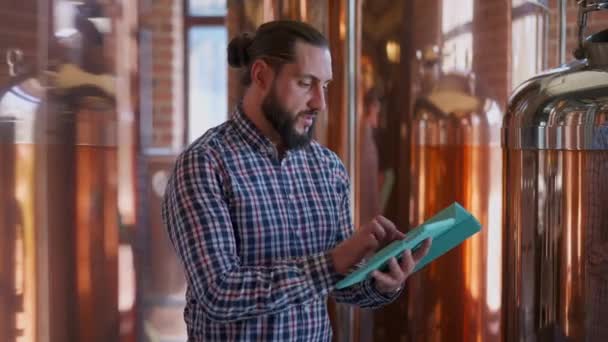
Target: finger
<point x="389" y="226"/>
<point x="385" y="280"/>
<point x="395" y="271"/>
<point x="394" y="278"/>
<point x="390" y="234"/>
<point x="378" y="231"/>
<point x="370" y="228"/>
<point x="386" y="222"/>
<point x="371" y="241"/>
<point x="407" y="262"/>
<point x="422" y="251"/>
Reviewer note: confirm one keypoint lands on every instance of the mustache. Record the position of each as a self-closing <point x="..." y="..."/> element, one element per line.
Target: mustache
<point x="313" y="112"/>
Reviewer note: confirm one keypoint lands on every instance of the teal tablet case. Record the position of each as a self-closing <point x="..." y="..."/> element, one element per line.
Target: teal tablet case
<point x="448" y="229"/>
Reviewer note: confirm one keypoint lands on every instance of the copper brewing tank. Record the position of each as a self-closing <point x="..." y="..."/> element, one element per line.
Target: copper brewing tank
<point x="58" y="214"/>
<point x="556" y="200"/>
<point x="456" y="156"/>
<point x="19" y="102"/>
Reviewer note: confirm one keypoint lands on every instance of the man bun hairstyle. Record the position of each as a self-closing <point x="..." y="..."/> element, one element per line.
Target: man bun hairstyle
<point x="237" y="50"/>
<point x="274" y="42"/>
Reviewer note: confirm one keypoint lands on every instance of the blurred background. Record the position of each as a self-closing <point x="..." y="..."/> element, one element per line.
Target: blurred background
<point x="98" y="97"/>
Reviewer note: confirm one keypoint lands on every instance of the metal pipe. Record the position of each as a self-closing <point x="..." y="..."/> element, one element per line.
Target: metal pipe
<point x="352" y="59"/>
<point x="579" y="53"/>
<point x="562" y="31"/>
<point x="346" y="314"/>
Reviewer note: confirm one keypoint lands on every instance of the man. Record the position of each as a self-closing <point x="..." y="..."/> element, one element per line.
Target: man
<point x="259" y="213"/>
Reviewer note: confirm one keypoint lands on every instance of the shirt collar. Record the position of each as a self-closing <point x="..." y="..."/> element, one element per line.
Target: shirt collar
<point x="252" y="135"/>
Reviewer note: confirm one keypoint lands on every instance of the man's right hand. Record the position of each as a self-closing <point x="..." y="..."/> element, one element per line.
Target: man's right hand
<point x="372" y="236"/>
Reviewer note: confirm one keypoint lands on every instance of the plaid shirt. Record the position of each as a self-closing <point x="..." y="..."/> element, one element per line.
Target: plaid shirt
<point x="253" y="233"/>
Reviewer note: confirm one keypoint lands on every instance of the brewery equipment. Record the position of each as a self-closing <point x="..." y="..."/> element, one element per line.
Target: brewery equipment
<point x="455" y="156"/>
<point x="555" y="137"/>
<point x="19" y="103"/>
<point x="58" y="207"/>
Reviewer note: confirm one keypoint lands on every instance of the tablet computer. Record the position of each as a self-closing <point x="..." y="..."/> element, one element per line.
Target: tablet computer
<point x="448" y="229"/>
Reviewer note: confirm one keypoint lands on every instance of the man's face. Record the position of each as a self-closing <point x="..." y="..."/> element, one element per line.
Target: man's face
<point x="297" y="95"/>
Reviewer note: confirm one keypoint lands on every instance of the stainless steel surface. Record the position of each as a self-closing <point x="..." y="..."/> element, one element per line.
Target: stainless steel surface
<point x="564" y="109"/>
<point x="456" y="156"/>
<point x="585" y="8"/>
<point x="347" y="316"/>
<point x="597" y="50"/>
<point x="544" y="114"/>
<point x="556" y="241"/>
<point x="556" y="195"/>
<point x="352" y="48"/>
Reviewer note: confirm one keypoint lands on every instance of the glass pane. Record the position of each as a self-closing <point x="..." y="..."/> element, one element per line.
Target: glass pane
<point x="457" y="49"/>
<point x="539" y="2"/>
<point x="458" y="52"/>
<point x="460" y="13"/>
<point x="526" y="61"/>
<point x="207" y="83"/>
<point x="207" y="8"/>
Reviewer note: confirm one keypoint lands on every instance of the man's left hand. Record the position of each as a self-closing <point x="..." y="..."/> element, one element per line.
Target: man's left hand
<point x="393" y="280"/>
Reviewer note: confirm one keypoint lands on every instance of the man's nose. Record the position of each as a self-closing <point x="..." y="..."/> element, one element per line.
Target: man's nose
<point x="317" y="100"/>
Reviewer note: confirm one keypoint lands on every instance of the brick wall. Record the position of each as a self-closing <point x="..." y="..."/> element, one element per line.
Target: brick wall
<point x="427" y="22"/>
<point x="492" y="48"/>
<point x="18" y="29"/>
<point x="491" y="40"/>
<point x="597" y="21"/>
<point x="162" y="59"/>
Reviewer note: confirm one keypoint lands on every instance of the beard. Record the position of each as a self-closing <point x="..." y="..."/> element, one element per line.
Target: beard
<point x="283" y="121"/>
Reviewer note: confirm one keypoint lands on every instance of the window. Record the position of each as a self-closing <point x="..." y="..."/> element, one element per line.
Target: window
<point x="456" y="26"/>
<point x="206" y="66"/>
<point x="207" y="8"/>
<point x="528" y="30"/>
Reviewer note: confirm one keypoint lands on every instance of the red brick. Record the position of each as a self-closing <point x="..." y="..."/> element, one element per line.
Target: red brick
<point x="18" y="29"/>
<point x="159" y="18"/>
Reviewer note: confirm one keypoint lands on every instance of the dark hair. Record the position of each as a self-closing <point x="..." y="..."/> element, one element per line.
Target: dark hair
<point x="274" y="42"/>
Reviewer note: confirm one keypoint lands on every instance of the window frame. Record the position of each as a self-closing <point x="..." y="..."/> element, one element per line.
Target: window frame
<point x="461" y="30"/>
<point x="536" y="8"/>
<point x="192" y="21"/>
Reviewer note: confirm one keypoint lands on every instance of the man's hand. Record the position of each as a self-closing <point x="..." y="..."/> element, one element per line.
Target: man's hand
<point x="372" y="236"/>
<point x="395" y="278"/>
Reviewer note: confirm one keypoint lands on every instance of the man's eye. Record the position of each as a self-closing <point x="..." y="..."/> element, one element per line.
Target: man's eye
<point x="304" y="84"/>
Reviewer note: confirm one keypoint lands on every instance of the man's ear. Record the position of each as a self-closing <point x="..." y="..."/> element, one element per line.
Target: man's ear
<point x="262" y="74"/>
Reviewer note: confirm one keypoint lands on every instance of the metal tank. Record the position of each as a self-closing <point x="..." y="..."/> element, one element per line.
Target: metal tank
<point x="19" y="302"/>
<point x="83" y="161"/>
<point x="556" y="199"/>
<point x="456" y="156"/>
<point x="58" y="208"/>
